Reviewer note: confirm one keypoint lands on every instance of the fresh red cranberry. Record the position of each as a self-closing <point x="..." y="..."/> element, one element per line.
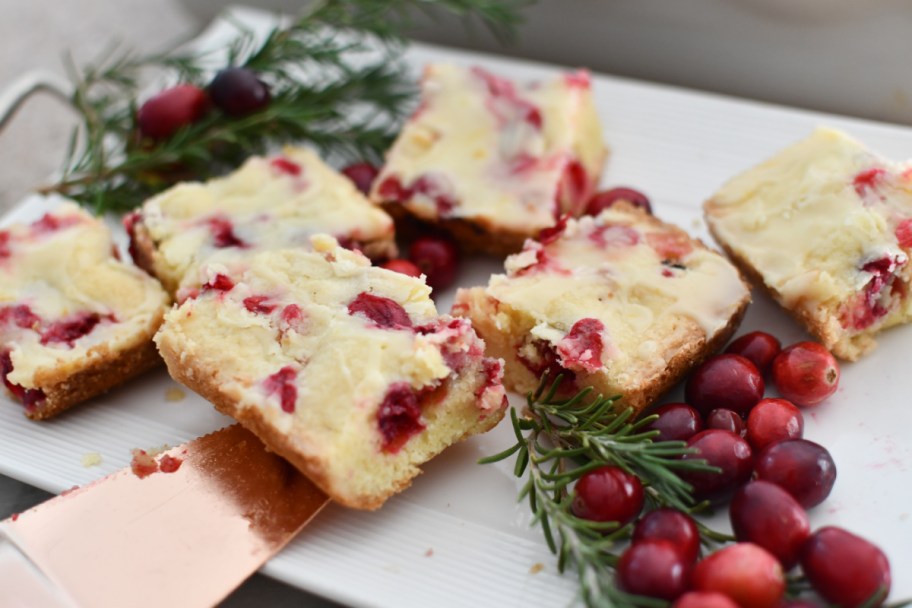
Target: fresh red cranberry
<point x="704" y="599"/>
<point x="438" y="259"/>
<point x="845" y="569"/>
<point x="161" y="116"/>
<point x="759" y="347"/>
<point x="399" y="417"/>
<point x="654" y="568"/>
<point x="802" y="468"/>
<point x="67" y="331"/>
<point x="676" y="422"/>
<point x="362" y="175"/>
<point x="143" y="464"/>
<point x="766" y="515"/>
<point x="722" y="449"/>
<point x="608" y="494"/>
<point x="402" y="266"/>
<point x="746" y="573"/>
<point x="671" y="525"/>
<point x="259" y="305"/>
<point x="581" y="348"/>
<point x="283" y="383"/>
<point x="384" y="312"/>
<point x="725" y="420"/>
<point x="806" y="373"/>
<point x="607" y="198"/>
<point x="238" y="91"/>
<point x="773" y="420"/>
<point x="727" y="381"/>
<point x="30" y="397"/>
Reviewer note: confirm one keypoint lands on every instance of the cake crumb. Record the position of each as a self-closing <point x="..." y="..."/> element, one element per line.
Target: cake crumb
<point x="429" y="553"/>
<point x="536" y="568"/>
<point x="91" y="459"/>
<point x="175" y="394"/>
<point x="143" y="464"/>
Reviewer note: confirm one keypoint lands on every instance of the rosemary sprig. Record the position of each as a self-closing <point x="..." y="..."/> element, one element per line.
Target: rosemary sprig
<point x="557" y="442"/>
<point x="336" y="80"/>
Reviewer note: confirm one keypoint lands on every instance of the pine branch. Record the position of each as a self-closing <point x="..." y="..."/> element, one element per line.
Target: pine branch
<point x="335" y="77"/>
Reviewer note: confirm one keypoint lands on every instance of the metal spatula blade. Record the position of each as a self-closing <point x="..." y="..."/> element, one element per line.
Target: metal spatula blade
<point x="185" y="538"/>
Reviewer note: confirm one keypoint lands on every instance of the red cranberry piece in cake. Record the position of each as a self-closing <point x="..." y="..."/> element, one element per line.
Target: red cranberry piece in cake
<point x="384" y="312"/>
<point x="259" y="305"/>
<point x="608" y="494"/>
<point x="607" y="198"/>
<point x="219" y="282"/>
<point x="581" y="348"/>
<point x="20" y="316"/>
<point x="773" y="420"/>
<point x="766" y="515"/>
<point x="286" y="166"/>
<point x="223" y="233"/>
<point x="903" y="234"/>
<point x="399" y="417"/>
<point x="67" y="331"/>
<point x="30" y="397"/>
<point x="282" y="383"/>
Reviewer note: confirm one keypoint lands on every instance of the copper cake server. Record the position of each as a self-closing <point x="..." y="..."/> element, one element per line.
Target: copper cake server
<point x="182" y="538"/>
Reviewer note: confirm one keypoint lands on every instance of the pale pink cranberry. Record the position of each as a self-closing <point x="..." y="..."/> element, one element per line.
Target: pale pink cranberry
<point x="282" y="383"/>
<point x="384" y="312"/>
<point x="846" y="569"/>
<point x="745" y="572"/>
<point x="574" y="188"/>
<point x="438" y="188"/>
<point x="581" y="348"/>
<point x="806" y="373"/>
<point x="672" y="246"/>
<point x="398" y="417"/>
<point x="615" y="236"/>
<point x="52" y="223"/>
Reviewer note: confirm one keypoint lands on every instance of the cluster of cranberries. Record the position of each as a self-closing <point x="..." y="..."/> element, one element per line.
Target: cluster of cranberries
<point x="732" y="426"/>
<point x="235" y="91"/>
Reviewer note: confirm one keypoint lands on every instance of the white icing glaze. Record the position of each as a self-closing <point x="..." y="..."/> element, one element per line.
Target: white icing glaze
<point x="813" y="218"/>
<point x="66" y="271"/>
<point x="496" y="150"/>
<point x="267" y="203"/>
<point x="610" y="268"/>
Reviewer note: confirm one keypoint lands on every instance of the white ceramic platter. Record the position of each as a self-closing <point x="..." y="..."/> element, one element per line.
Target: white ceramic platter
<point x="458" y="536"/>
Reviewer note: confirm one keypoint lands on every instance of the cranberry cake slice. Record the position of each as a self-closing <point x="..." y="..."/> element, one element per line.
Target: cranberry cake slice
<point x="270" y="202"/>
<point x="343" y="368"/>
<point x="493" y="161"/>
<point x="621" y="302"/>
<point x="74" y="320"/>
<point x="825" y="226"/>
